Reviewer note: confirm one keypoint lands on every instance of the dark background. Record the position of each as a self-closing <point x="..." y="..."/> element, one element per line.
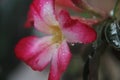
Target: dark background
<point x="12" y="18"/>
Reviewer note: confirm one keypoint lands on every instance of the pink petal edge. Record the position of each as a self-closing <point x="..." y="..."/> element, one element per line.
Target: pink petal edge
<point x="87" y="21"/>
<point x="74" y="30"/>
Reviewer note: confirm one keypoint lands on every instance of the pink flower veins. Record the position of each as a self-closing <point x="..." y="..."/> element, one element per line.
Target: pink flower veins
<point x="53" y="49"/>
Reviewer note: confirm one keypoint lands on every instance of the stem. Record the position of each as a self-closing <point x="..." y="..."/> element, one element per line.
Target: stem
<point x="86" y="70"/>
<point x="91" y="66"/>
<point x="115" y="8"/>
<point x="95" y="62"/>
<point x="87" y="8"/>
<point x="89" y="51"/>
<point x="94" y="66"/>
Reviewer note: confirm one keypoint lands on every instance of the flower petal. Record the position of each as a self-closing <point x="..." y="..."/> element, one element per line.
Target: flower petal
<point x="60" y="61"/>
<point x="35" y="18"/>
<point x="35" y="52"/>
<point x="87" y="21"/>
<point x="74" y="30"/>
<point x="41" y="25"/>
<point x="45" y="8"/>
<point x="43" y="15"/>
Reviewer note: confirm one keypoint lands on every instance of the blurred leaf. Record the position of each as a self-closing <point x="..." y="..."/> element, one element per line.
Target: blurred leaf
<point x="117" y="10"/>
<point x="96" y="7"/>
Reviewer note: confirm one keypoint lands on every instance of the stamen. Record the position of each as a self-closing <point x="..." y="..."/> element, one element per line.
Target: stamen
<point x="57" y="34"/>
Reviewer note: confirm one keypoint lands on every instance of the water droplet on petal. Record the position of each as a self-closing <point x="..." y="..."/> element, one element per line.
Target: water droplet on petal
<point x="72" y="44"/>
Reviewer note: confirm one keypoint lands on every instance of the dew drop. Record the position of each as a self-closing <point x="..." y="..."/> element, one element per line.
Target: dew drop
<point x="72" y="44"/>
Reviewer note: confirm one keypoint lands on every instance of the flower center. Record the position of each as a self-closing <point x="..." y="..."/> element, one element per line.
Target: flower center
<point x="57" y="34"/>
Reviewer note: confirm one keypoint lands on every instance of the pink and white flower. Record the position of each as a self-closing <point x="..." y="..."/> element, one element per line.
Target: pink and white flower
<point x="53" y="49"/>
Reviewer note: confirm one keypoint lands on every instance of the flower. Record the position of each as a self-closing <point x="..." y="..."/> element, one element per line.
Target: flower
<point x="53" y="49"/>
